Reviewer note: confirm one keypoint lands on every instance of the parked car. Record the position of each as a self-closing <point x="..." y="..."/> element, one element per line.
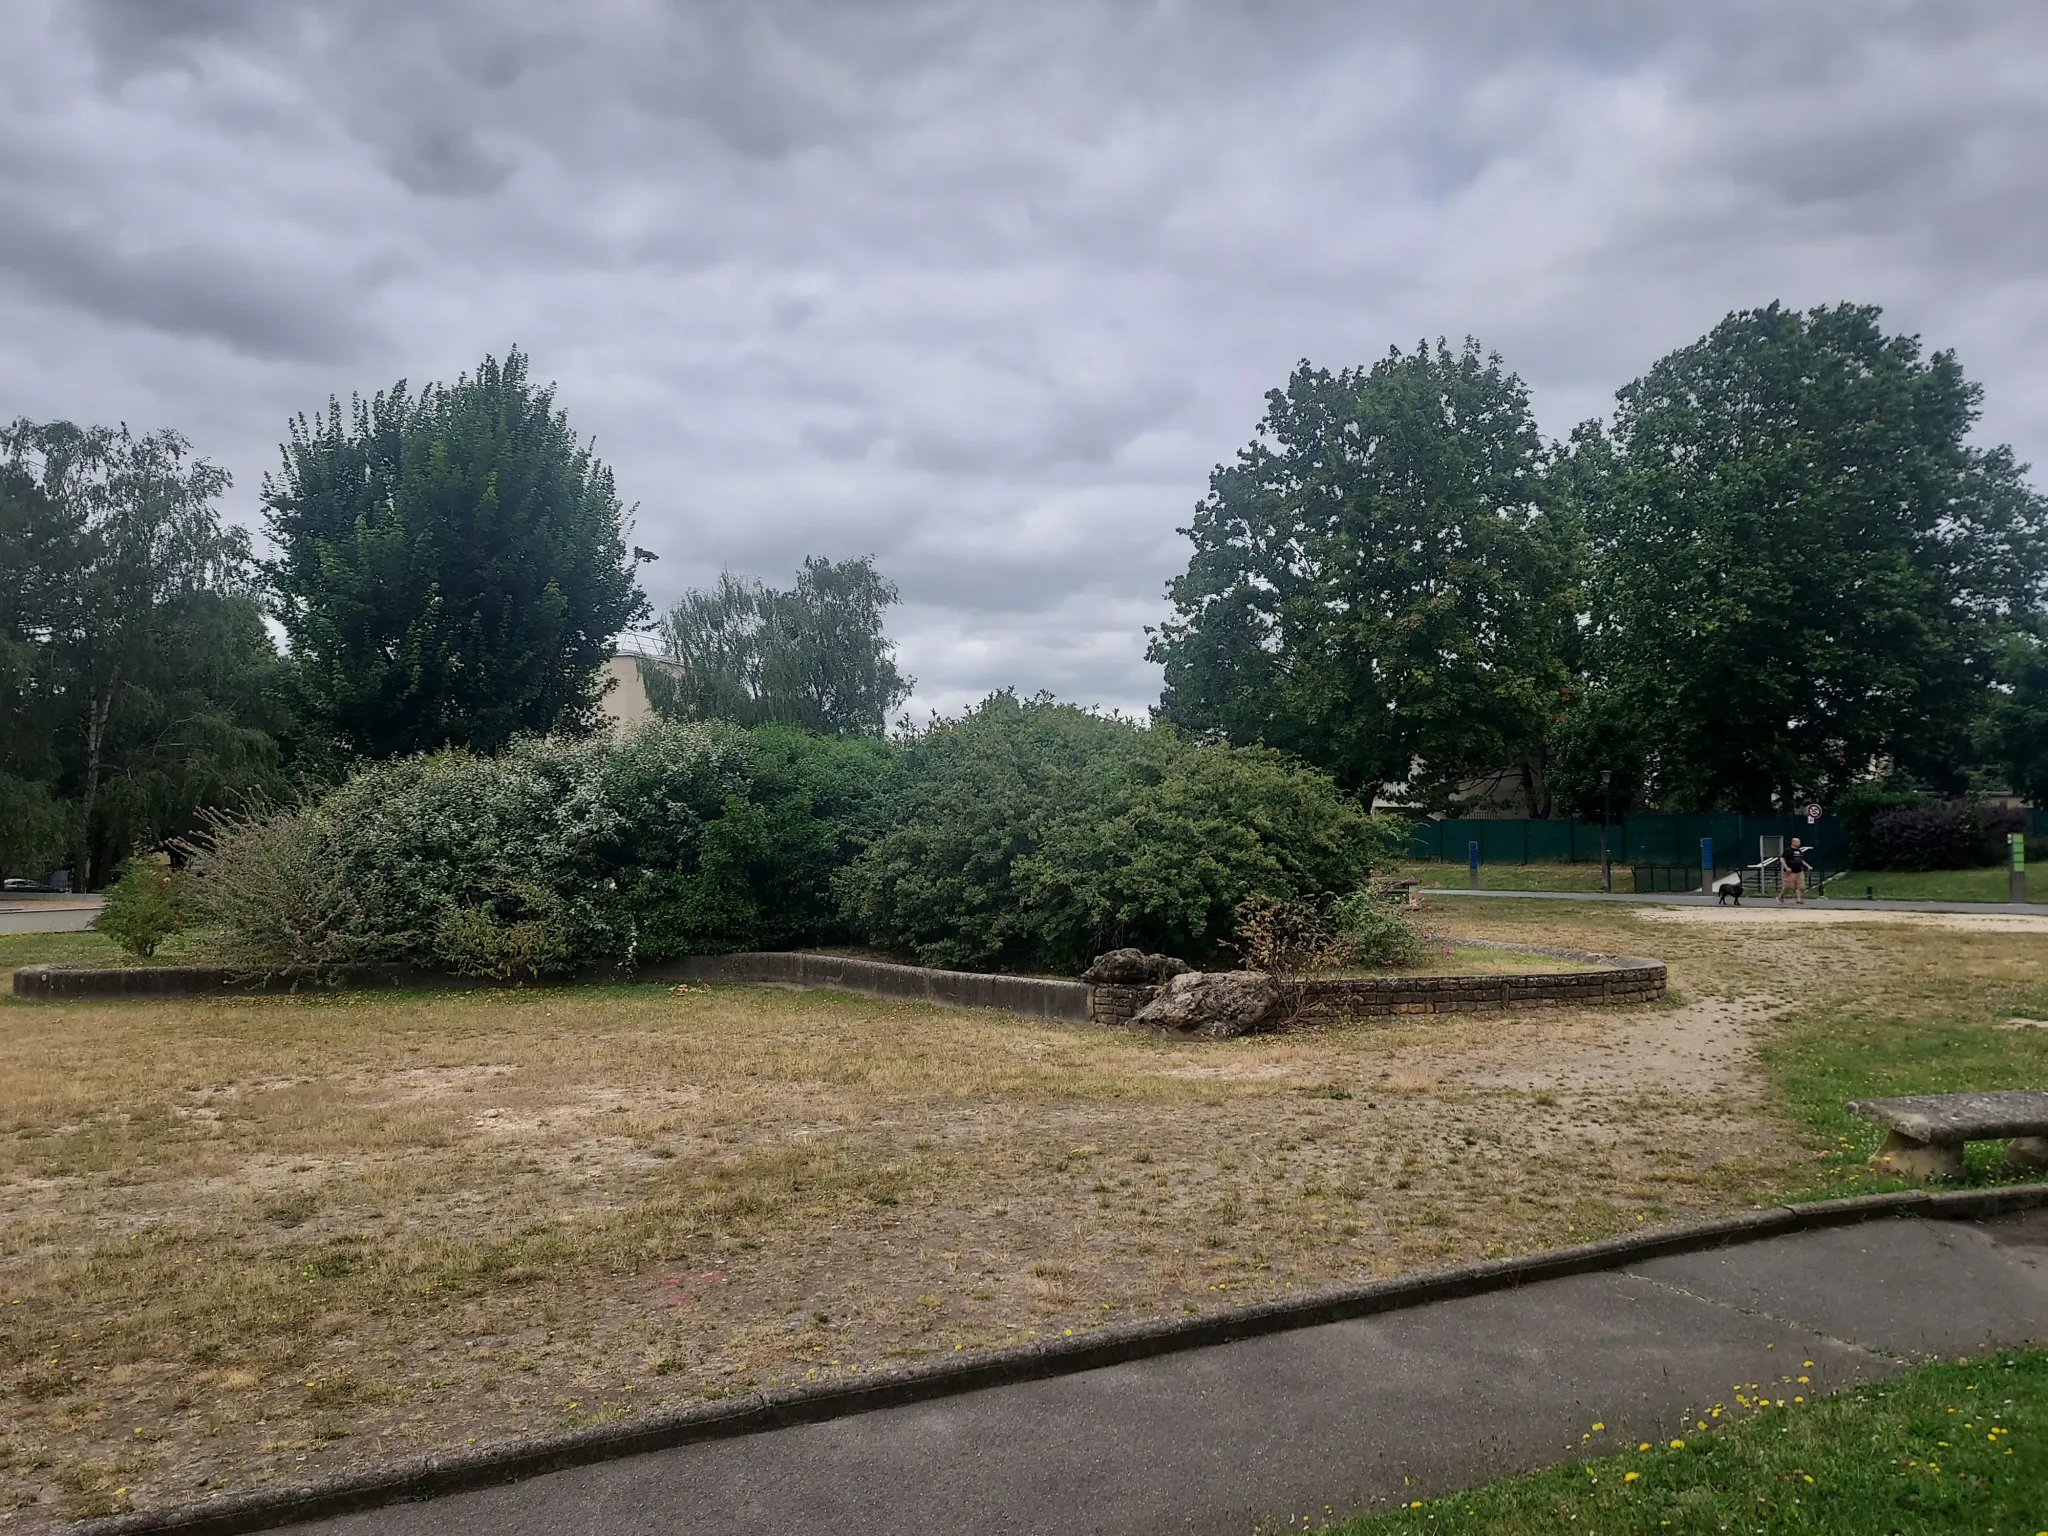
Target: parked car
<point x="29" y="888"/>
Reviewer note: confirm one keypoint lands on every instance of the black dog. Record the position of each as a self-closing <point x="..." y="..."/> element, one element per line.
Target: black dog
<point x="1729" y="885"/>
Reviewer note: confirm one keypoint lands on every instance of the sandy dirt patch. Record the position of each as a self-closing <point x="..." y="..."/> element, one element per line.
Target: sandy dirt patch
<point x="1770" y="912"/>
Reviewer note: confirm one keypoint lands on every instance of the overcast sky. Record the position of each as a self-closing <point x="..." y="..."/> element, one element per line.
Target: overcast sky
<point x="982" y="289"/>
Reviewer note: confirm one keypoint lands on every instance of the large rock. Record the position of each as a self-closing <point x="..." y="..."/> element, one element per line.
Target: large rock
<point x="1214" y="1004"/>
<point x="1133" y="968"/>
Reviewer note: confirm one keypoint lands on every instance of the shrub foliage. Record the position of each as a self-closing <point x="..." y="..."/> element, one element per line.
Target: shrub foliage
<point x="554" y="855"/>
<point x="1028" y="834"/>
<point x="1025" y="835"/>
<point x="142" y="906"/>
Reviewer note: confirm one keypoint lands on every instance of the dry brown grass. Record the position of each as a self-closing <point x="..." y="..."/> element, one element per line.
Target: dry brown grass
<point x="252" y="1239"/>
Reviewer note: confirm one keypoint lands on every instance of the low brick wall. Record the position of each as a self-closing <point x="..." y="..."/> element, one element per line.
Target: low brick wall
<point x="1613" y="979"/>
<point x="58" y="981"/>
<point x="1118" y="1004"/>
<point x="1033" y="997"/>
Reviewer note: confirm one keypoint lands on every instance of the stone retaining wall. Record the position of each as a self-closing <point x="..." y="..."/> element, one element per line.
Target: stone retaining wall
<point x="1615" y="979"/>
<point x="1618" y="979"/>
<point x="1118" y="1004"/>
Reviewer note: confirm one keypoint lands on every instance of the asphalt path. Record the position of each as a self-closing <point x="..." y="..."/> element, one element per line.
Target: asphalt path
<point x="57" y="914"/>
<point x="1695" y="899"/>
<point x="1332" y="1420"/>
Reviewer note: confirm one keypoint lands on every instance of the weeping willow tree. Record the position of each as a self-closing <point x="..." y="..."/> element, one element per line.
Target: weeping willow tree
<point x="816" y="656"/>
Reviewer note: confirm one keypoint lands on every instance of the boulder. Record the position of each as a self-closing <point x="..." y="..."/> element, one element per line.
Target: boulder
<point x="1214" y="1004"/>
<point x="1133" y="968"/>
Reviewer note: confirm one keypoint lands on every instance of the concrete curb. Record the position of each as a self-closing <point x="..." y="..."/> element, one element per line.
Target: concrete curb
<point x="435" y="1476"/>
<point x="1032" y="997"/>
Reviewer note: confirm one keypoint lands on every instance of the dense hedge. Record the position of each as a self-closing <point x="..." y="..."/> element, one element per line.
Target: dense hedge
<point x="1957" y="836"/>
<point x="1024" y="835"/>
<point x="553" y="855"/>
<point x="1033" y="835"/>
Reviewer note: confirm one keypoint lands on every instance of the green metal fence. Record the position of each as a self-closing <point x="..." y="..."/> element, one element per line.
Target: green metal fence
<point x="1647" y="839"/>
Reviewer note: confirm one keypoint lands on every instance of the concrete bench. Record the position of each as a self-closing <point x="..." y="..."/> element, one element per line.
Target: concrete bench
<point x="1928" y="1130"/>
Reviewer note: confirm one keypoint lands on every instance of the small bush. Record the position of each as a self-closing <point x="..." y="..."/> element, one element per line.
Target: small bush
<point x="272" y="891"/>
<point x="1380" y="928"/>
<point x="143" y="905"/>
<point x="519" y="935"/>
<point x="1927" y="837"/>
<point x="1290" y="939"/>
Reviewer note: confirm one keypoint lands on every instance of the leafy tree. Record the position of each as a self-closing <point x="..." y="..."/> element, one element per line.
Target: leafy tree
<point x="2017" y="720"/>
<point x="139" y="681"/>
<point x="452" y="564"/>
<point x="1802" y="568"/>
<point x="1380" y="582"/>
<point x="815" y="656"/>
<point x="1028" y="834"/>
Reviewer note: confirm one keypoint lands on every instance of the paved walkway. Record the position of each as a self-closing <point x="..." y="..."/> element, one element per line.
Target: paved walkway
<point x="1695" y="899"/>
<point x="48" y="914"/>
<point x="1330" y="1420"/>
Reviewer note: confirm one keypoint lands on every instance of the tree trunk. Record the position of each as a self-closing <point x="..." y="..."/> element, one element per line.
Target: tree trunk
<point x="95" y="737"/>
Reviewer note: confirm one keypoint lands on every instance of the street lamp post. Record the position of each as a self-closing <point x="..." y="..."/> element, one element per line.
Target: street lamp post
<point x="1606" y="815"/>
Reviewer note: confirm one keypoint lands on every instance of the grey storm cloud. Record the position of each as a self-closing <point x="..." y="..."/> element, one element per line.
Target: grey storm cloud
<point x="984" y="290"/>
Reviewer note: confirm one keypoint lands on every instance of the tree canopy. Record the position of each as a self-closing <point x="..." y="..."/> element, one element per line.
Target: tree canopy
<point x="1783" y="569"/>
<point x="452" y="564"/>
<point x="1381" y="581"/>
<point x="816" y="656"/>
<point x="1801" y="566"/>
<point x="138" y="681"/>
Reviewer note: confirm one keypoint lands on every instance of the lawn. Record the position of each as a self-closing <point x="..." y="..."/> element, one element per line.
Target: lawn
<point x="262" y="1238"/>
<point x="1957" y="1446"/>
<point x="28" y="948"/>
<point x="1992" y="884"/>
<point x="1519" y="877"/>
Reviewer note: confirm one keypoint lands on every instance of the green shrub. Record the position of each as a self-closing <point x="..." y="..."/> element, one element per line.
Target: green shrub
<point x="1032" y="835"/>
<point x="519" y="935"/>
<point x="1861" y="804"/>
<point x="682" y="837"/>
<point x="744" y="859"/>
<point x="1382" y="930"/>
<point x="1927" y="837"/>
<point x="143" y="906"/>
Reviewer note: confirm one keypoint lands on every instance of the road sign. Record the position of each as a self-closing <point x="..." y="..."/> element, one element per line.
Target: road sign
<point x="1812" y="814"/>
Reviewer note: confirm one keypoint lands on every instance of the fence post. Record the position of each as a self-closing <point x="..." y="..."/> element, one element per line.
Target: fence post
<point x="2017" y="841"/>
<point x="1472" y="866"/>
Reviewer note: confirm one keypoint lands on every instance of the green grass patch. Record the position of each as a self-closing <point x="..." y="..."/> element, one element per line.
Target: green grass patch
<point x="1953" y="1447"/>
<point x="1952" y="1016"/>
<point x="1990" y="884"/>
<point x="1519" y="877"/>
<point x="36" y="948"/>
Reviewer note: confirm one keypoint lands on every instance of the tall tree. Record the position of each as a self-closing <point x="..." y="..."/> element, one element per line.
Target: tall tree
<point x="815" y="656"/>
<point x="452" y="564"/>
<point x="139" y="681"/>
<point x="1803" y="568"/>
<point x="1380" y="582"/>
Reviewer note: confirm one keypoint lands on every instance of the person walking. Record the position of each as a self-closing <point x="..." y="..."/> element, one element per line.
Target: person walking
<point x="1792" y="870"/>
